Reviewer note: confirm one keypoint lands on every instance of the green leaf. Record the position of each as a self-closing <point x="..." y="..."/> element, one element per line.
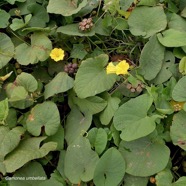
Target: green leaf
<point x="20" y="23"/>
<point x="38" y="51"/>
<point x="110" y="169"/>
<point x="18" y="96"/>
<point x="111" y="5"/>
<point x="77" y="124"/>
<point x="147" y="3"/>
<point x="27" y="81"/>
<point x="98" y="139"/>
<point x="80" y="161"/>
<point x="132" y="115"/>
<point x="180" y="182"/>
<point x="178" y="129"/>
<point x="3" y="110"/>
<point x="135" y="180"/>
<point x="91" y="78"/>
<point x="112" y="105"/>
<point x="125" y="4"/>
<point x="73" y="30"/>
<point x="182" y="65"/>
<point x="29" y="175"/>
<point x="143" y="21"/>
<point x="41" y="45"/>
<point x="101" y="28"/>
<point x="92" y="104"/>
<point x="91" y="4"/>
<point x="44" y="115"/>
<point x="29" y="149"/>
<point x="60" y="166"/>
<point x="25" y="55"/>
<point x="177" y="22"/>
<point x="39" y="15"/>
<point x="178" y="93"/>
<point x="9" y="139"/>
<point x="165" y="72"/>
<point x="144" y="157"/>
<point x="58" y="137"/>
<point x="61" y="83"/>
<point x="13" y="1"/>
<point x="4" y="17"/>
<point x="6" y="50"/>
<point x="172" y="38"/>
<point x="151" y="58"/>
<point x="65" y="7"/>
<point x="120" y="23"/>
<point x="164" y="178"/>
<point x="11" y="119"/>
<point x="78" y="51"/>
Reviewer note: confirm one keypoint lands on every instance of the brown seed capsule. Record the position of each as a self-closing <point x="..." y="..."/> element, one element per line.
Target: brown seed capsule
<point x="132" y="89"/>
<point x="139" y="89"/>
<point x="129" y="86"/>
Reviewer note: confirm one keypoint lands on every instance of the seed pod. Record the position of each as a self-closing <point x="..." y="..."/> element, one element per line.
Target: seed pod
<point x="139" y="88"/>
<point x="129" y="86"/>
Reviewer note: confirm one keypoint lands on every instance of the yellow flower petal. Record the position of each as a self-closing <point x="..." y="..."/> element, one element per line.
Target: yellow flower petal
<point x="111" y="69"/>
<point x="122" y="67"/>
<point x="3" y="78"/>
<point x="57" y="54"/>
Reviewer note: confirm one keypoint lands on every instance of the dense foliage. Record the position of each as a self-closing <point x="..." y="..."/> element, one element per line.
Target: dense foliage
<point x="92" y="92"/>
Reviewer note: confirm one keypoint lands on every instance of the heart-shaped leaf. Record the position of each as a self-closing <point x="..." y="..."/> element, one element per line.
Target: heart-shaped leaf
<point x="28" y="149"/>
<point x="142" y="156"/>
<point x="44" y="115"/>
<point x="60" y="83"/>
<point x="77" y="124"/>
<point x="98" y="139"/>
<point x="38" y="50"/>
<point x="151" y="58"/>
<point x="143" y="21"/>
<point x="132" y="115"/>
<point x="80" y="161"/>
<point x="110" y="169"/>
<point x="91" y="78"/>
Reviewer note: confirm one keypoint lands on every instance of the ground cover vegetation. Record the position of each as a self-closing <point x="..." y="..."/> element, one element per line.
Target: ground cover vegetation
<point x="92" y="92"/>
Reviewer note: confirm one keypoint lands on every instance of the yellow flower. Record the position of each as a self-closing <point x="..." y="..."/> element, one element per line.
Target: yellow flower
<point x="122" y="67"/>
<point x="177" y="106"/>
<point x="111" y="69"/>
<point x="57" y="54"/>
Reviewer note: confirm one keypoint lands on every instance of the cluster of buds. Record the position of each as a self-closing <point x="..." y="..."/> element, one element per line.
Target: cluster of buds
<point x="18" y="68"/>
<point x="71" y="68"/>
<point x="135" y="88"/>
<point x="86" y="24"/>
<point x="177" y="106"/>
